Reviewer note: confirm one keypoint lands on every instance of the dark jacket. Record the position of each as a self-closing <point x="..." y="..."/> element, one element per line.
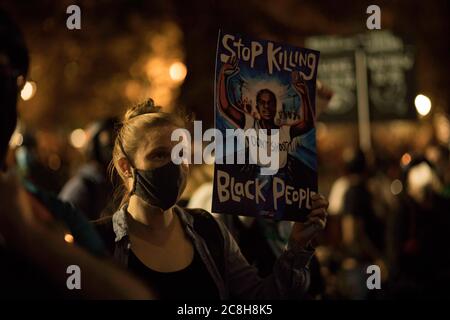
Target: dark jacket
<point x="90" y="191"/>
<point x="289" y="280"/>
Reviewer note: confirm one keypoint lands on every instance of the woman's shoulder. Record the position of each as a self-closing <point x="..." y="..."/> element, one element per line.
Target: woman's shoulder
<point x="196" y="212"/>
<point x="204" y="223"/>
<point x="200" y="218"/>
<point x="211" y="231"/>
<point x="103" y="222"/>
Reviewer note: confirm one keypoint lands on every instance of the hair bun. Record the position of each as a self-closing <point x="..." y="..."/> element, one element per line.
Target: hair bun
<point x="148" y="106"/>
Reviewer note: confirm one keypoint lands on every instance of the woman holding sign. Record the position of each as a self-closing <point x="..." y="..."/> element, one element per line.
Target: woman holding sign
<point x="184" y="253"/>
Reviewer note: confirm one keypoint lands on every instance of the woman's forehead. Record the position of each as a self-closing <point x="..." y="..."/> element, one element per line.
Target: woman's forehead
<point x="158" y="136"/>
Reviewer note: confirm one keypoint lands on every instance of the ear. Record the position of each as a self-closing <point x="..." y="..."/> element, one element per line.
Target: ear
<point x="125" y="167"/>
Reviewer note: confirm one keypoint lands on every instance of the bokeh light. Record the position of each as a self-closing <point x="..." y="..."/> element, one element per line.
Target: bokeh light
<point x="406" y="159"/>
<point x="16" y="139"/>
<point x="178" y="71"/>
<point x="423" y="104"/>
<point x="68" y="238"/>
<point x="28" y="90"/>
<point x="78" y="138"/>
<point x="54" y="162"/>
<point x="396" y="187"/>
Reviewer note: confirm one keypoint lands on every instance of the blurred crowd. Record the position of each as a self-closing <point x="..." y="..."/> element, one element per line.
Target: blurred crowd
<point x="393" y="214"/>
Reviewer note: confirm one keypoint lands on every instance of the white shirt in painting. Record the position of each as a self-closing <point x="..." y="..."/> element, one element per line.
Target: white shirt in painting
<point x="284" y="145"/>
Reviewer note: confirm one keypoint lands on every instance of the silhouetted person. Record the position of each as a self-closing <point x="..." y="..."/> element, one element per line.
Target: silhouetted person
<point x="91" y="189"/>
<point x="419" y="235"/>
<point x="33" y="254"/>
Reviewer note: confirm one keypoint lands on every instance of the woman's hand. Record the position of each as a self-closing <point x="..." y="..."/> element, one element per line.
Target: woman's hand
<point x="303" y="233"/>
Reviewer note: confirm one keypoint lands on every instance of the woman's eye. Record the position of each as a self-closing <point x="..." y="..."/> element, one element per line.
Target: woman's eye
<point x="160" y="156"/>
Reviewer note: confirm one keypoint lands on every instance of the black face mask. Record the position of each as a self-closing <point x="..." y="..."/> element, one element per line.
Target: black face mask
<point x="160" y="187"/>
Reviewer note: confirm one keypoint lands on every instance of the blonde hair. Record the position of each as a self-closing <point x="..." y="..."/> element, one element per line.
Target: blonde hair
<point x="136" y="122"/>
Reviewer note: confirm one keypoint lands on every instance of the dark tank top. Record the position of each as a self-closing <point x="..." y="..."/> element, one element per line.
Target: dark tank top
<point x="191" y="283"/>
